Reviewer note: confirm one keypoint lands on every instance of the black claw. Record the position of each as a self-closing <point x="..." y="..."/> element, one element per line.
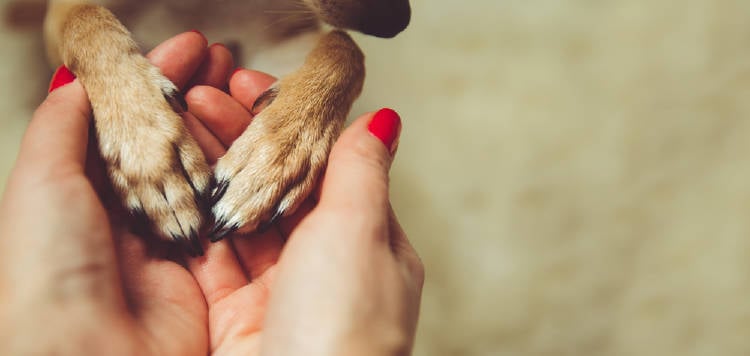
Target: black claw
<point x="266" y="225"/>
<point x="138" y="214"/>
<point x="206" y="195"/>
<point x="191" y="244"/>
<point x="218" y="225"/>
<point x="220" y="234"/>
<point x="193" y="238"/>
<point x="176" y="100"/>
<point x="264" y="100"/>
<point x="218" y="192"/>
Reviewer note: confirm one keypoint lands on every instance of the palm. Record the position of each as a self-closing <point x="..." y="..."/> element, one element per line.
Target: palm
<point x="236" y="277"/>
<point x="167" y="303"/>
<point x="165" y="311"/>
<point x="235" y="321"/>
<point x="236" y="274"/>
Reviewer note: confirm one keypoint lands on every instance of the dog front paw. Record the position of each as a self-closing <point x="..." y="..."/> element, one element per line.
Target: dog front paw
<point x="154" y="164"/>
<point x="271" y="169"/>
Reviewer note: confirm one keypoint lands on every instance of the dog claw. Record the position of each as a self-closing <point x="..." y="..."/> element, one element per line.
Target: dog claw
<point x="221" y="229"/>
<point x="266" y="225"/>
<point x="218" y="192"/>
<point x="176" y="101"/>
<point x="219" y="234"/>
<point x="191" y="244"/>
<point x="265" y="99"/>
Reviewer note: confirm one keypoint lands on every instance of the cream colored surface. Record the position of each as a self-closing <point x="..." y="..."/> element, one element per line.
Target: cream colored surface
<point x="573" y="173"/>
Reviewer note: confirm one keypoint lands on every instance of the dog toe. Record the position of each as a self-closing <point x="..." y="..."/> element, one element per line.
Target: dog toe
<point x="266" y="175"/>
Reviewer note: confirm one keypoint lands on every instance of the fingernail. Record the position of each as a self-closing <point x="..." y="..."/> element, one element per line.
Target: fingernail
<point x="62" y="77"/>
<point x="236" y="71"/>
<point x="386" y="126"/>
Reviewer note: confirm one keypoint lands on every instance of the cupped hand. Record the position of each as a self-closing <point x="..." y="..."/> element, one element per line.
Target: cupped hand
<point x="75" y="279"/>
<point x="339" y="276"/>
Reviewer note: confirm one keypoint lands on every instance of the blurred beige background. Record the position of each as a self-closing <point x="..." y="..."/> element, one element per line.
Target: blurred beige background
<point x="573" y="173"/>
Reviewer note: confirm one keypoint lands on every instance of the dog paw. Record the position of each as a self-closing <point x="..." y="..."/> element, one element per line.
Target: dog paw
<point x="154" y="164"/>
<point x="272" y="168"/>
<point x="274" y="165"/>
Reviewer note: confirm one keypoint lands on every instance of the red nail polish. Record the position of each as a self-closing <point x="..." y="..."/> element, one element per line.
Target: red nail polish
<point x="386" y="126"/>
<point x="62" y="77"/>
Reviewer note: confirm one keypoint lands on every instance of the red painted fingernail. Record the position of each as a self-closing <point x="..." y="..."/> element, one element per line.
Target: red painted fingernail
<point x="62" y="77"/>
<point x="386" y="126"/>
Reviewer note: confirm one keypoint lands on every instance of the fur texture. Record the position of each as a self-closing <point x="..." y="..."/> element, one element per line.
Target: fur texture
<point x="157" y="167"/>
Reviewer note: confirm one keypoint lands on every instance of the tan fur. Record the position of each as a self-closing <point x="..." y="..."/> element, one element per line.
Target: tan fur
<point x="280" y="155"/>
<point x="154" y="163"/>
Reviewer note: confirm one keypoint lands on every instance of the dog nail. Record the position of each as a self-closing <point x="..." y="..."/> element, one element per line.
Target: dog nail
<point x="190" y="243"/>
<point x="62" y="77"/>
<point x="176" y="101"/>
<point x="221" y="233"/>
<point x="264" y="100"/>
<point x="218" y="192"/>
<point x="265" y="226"/>
<point x="386" y="126"/>
<point x="196" y="244"/>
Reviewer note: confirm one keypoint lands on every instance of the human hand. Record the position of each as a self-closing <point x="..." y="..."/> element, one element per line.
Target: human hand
<point x="74" y="278"/>
<point x="339" y="276"/>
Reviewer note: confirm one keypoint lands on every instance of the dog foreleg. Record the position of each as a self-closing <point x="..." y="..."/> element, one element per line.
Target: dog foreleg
<point x="154" y="164"/>
<point x="275" y="164"/>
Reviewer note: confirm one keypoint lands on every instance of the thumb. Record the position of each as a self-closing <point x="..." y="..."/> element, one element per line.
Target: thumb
<point x="57" y="135"/>
<point x="357" y="173"/>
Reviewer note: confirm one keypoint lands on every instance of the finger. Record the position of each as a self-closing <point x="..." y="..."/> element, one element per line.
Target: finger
<point x="258" y="252"/>
<point x="357" y="175"/>
<point x="215" y="69"/>
<point x="219" y="112"/>
<point x="180" y="56"/>
<point x="218" y="272"/>
<point x="247" y="85"/>
<point x="210" y="145"/>
<point x="57" y="137"/>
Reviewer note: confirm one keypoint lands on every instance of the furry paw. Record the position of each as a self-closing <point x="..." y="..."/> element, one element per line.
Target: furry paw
<point x="272" y="168"/>
<point x="154" y="164"/>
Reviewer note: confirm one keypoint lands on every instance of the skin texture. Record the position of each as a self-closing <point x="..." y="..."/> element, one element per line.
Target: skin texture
<point x="77" y="278"/>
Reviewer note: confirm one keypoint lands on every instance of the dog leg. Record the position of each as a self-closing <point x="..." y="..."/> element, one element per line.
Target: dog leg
<point x="274" y="165"/>
<point x="154" y="164"/>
